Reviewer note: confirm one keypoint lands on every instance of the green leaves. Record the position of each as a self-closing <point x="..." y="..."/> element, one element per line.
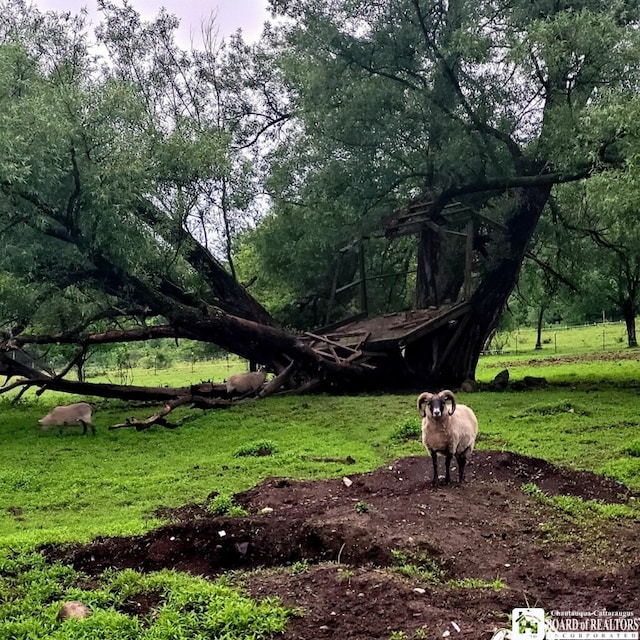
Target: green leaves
<point x="107" y="169"/>
<point x="394" y="101"/>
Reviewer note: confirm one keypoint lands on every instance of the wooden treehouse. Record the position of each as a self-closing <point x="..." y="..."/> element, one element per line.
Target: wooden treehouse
<point x="409" y="343"/>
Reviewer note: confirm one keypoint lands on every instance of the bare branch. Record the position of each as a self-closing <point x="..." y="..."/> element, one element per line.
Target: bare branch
<point x="547" y="268"/>
<point x="504" y="184"/>
<point x="160" y="416"/>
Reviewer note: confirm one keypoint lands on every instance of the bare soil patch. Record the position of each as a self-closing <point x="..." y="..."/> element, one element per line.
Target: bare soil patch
<point x="591" y="356"/>
<point x="330" y="549"/>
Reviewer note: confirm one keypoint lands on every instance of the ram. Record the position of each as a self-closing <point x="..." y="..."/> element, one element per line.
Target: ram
<point x="78" y="413"/>
<point x="447" y="431"/>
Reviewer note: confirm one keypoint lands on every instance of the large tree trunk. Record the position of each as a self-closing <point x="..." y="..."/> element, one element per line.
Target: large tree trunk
<point x="629" y="315"/>
<point x="490" y="297"/>
<point x="225" y="291"/>
<point x="267" y="345"/>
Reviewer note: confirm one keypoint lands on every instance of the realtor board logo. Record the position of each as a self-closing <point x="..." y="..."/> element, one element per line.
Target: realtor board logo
<point x="528" y="624"/>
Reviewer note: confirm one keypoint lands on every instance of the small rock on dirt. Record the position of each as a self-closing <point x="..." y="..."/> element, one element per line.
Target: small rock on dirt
<point x="73" y="609"/>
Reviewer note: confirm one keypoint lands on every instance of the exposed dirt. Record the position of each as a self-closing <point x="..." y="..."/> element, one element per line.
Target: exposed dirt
<point x="591" y="356"/>
<point x="328" y="548"/>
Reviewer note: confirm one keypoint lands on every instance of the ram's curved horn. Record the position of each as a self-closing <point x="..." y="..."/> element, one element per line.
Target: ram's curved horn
<point x="449" y="395"/>
<point x="423" y="398"/>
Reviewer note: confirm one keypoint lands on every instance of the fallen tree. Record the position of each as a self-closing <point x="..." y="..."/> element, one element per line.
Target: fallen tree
<point x="106" y="210"/>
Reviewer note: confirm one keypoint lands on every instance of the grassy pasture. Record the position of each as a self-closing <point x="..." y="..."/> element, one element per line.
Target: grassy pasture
<point x="67" y="487"/>
<point x="579" y="371"/>
<point x="560" y="339"/>
<point x="178" y="374"/>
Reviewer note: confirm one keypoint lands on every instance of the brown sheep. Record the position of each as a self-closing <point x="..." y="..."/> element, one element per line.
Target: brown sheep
<point x="449" y="432"/>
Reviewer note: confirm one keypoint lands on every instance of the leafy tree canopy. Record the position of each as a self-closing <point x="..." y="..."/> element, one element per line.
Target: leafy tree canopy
<point x="115" y="171"/>
<point x="128" y="177"/>
<point x="409" y="99"/>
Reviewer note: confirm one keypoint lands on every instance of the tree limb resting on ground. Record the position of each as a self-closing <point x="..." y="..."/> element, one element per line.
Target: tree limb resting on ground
<point x="160" y="416"/>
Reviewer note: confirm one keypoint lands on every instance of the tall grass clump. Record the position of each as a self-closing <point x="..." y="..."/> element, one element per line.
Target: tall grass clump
<point x="127" y="605"/>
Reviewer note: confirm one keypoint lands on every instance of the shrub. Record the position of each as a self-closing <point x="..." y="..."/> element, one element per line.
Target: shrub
<point x="409" y="430"/>
<point x="223" y="506"/>
<point x="259" y="448"/>
<point x="362" y="507"/>
<point x="633" y="449"/>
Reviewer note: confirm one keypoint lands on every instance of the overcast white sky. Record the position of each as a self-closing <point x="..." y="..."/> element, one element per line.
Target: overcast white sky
<point x="248" y="15"/>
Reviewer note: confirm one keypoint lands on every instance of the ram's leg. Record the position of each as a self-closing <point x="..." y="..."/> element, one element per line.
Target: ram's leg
<point x="462" y="461"/>
<point x="434" y="459"/>
<point x="447" y="466"/>
<point x="84" y="426"/>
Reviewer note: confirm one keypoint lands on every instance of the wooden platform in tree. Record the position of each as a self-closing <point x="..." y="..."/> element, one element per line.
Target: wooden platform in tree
<point x="366" y="339"/>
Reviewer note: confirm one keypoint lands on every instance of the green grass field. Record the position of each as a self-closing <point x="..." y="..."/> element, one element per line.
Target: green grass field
<point x="562" y="340"/>
<point x="69" y="488"/>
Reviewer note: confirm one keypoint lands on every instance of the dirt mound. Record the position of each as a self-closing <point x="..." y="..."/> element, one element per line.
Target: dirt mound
<point x="340" y="539"/>
<point x="592" y="356"/>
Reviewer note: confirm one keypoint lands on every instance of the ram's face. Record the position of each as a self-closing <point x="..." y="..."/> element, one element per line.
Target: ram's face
<point x="437" y="407"/>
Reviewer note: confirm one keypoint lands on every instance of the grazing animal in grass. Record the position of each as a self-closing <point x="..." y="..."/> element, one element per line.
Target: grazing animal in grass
<point x="71" y="414"/>
<point x="448" y="432"/>
<point x="244" y="384"/>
